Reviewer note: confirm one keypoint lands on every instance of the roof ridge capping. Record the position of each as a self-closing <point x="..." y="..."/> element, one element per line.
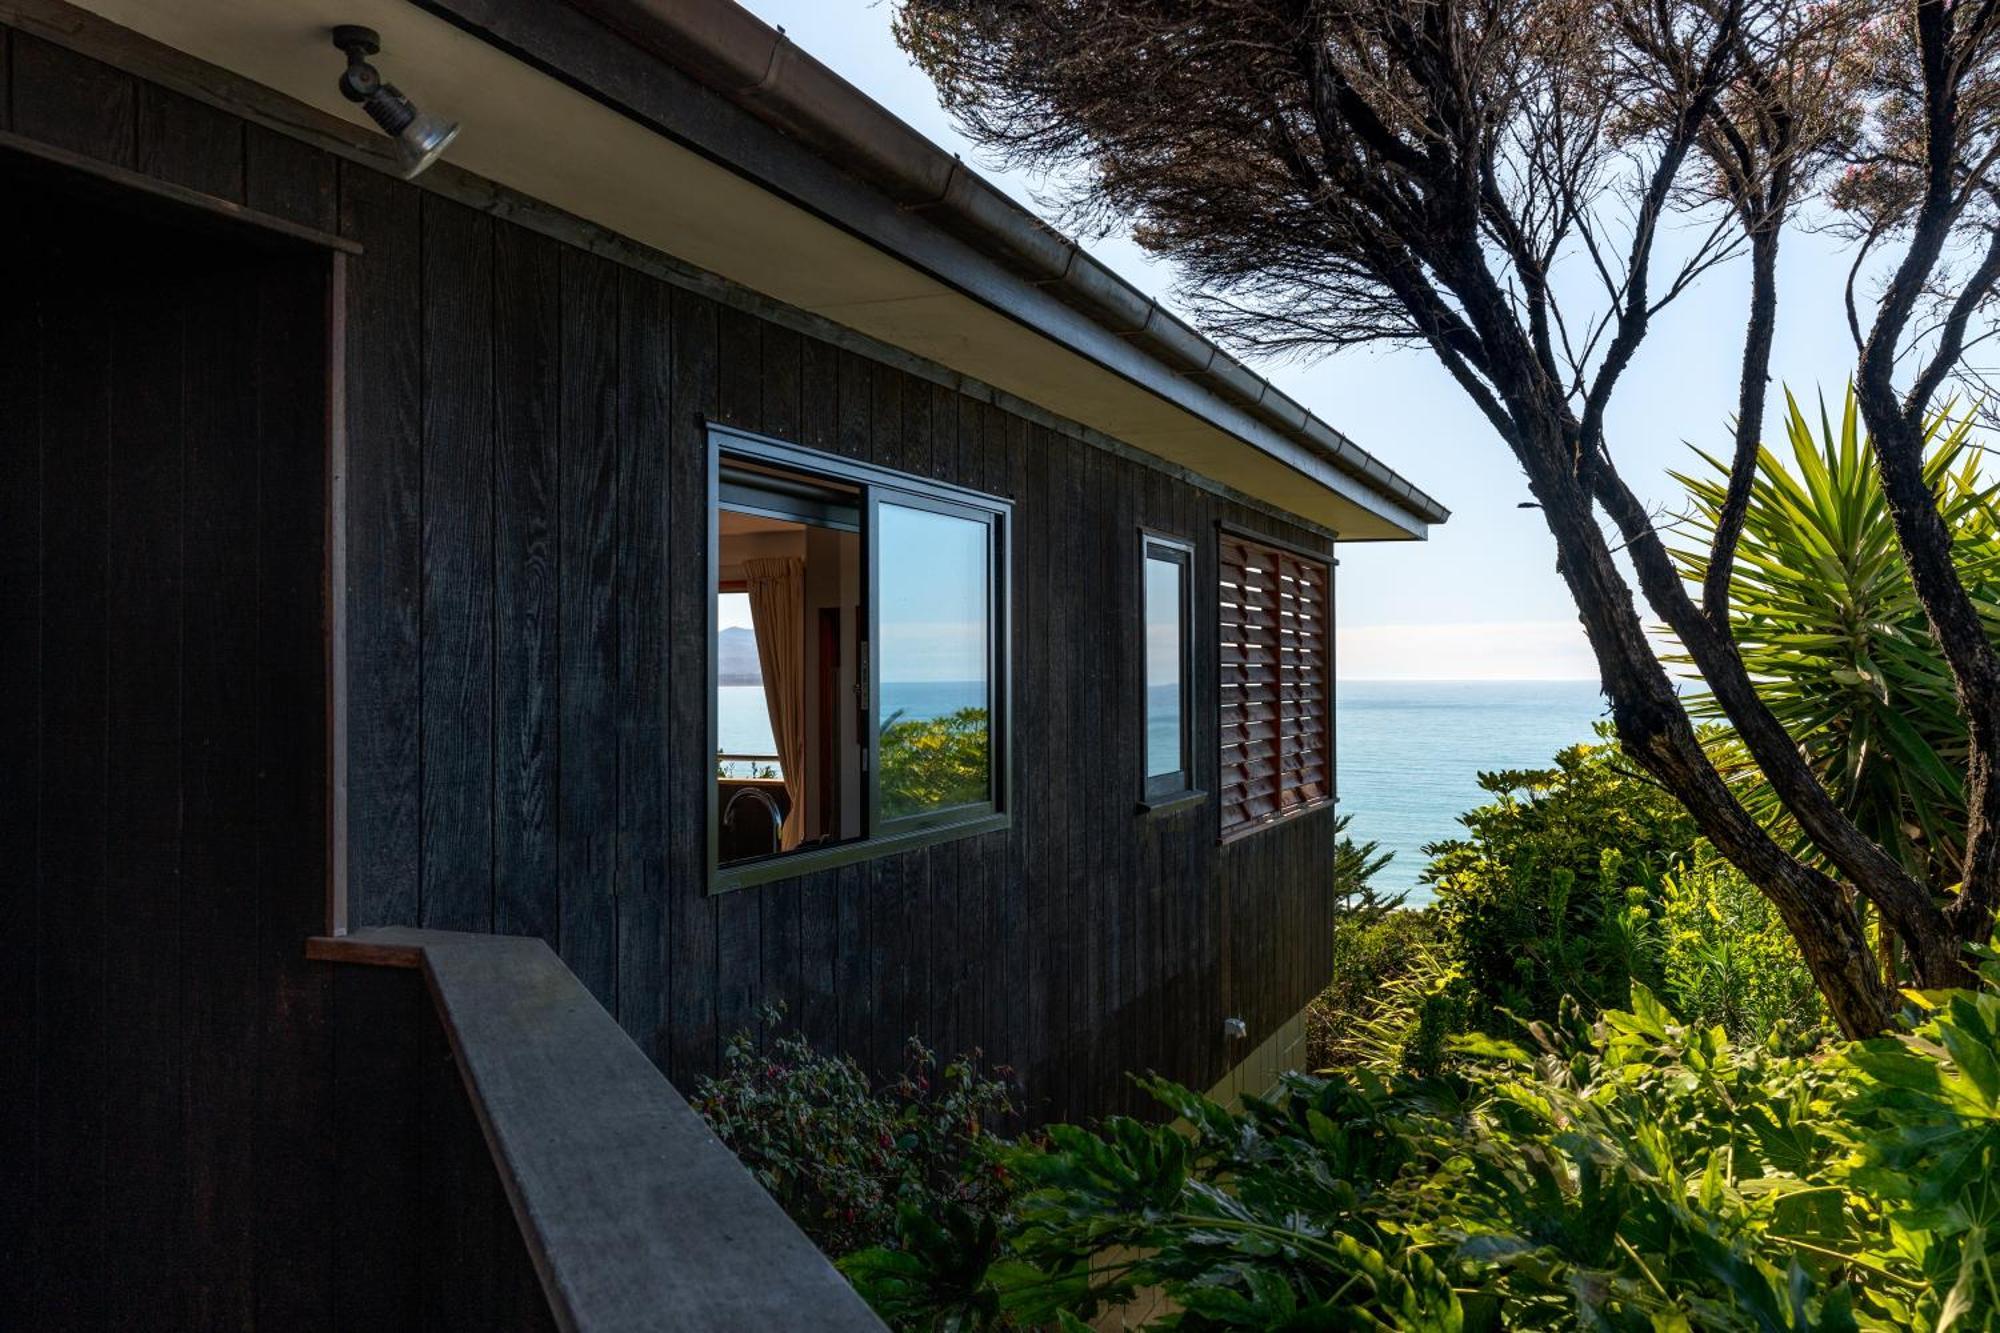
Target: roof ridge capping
<point x="734" y="53"/>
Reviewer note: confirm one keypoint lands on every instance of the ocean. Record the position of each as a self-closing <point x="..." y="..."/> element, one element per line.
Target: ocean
<point x="743" y="724"/>
<point x="1410" y="752"/>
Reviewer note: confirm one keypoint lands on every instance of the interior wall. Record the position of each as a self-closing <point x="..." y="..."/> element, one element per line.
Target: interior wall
<point x="833" y="587"/>
<point x="737" y="547"/>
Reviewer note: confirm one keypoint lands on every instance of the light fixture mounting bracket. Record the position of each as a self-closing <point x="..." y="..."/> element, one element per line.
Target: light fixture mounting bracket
<point x="358" y="42"/>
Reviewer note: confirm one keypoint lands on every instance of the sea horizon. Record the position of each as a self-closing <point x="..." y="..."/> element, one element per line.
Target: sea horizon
<point x="1409" y="754"/>
<point x="1338" y="681"/>
<point x="1408" y="751"/>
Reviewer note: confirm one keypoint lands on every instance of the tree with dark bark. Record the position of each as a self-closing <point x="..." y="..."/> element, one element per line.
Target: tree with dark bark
<point x="1520" y="186"/>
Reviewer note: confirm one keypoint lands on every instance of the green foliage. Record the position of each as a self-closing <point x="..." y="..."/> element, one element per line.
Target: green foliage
<point x="1554" y="890"/>
<point x="1355" y="865"/>
<point x="1823" y="612"/>
<point x="949" y="1260"/>
<point x="1533" y="907"/>
<point x="745" y="770"/>
<point x="1728" y="958"/>
<point x="1931" y="1098"/>
<point x="841" y="1155"/>
<point x="934" y="764"/>
<point x="1633" y="1173"/>
<point x="1396" y="995"/>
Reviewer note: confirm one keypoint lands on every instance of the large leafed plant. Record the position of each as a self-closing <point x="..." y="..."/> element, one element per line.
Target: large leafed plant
<point x="1629" y="1175"/>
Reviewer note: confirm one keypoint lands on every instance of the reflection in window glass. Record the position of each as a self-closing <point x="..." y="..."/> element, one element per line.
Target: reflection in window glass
<point x="933" y="660"/>
<point x="746" y="748"/>
<point x="1163" y="667"/>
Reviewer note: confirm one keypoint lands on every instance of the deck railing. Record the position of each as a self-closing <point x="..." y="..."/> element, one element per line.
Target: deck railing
<point x="634" y="1214"/>
<point x="746" y="766"/>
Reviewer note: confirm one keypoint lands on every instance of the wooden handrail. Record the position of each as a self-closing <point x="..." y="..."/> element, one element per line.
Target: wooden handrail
<point x="636" y="1216"/>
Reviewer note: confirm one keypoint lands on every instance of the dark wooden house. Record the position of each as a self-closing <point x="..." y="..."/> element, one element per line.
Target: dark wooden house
<point x="468" y="644"/>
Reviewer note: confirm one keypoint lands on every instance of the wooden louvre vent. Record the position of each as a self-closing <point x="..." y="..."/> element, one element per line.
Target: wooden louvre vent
<point x="1276" y="723"/>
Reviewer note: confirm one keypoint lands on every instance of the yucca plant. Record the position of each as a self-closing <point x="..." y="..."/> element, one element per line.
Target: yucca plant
<point x="1829" y="626"/>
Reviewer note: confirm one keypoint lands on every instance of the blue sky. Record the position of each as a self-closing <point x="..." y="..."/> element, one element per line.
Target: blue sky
<point x="1481" y="599"/>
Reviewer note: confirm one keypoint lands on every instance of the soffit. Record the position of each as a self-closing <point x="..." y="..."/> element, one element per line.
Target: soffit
<point x="545" y="139"/>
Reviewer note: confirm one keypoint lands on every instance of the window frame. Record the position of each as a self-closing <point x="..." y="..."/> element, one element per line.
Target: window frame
<point x="903" y="497"/>
<point x="1177" y="790"/>
<point x="876" y="484"/>
<point x="1284" y="814"/>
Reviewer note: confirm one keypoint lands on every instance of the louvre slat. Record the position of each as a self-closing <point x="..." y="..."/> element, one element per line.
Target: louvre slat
<point x="1275" y="649"/>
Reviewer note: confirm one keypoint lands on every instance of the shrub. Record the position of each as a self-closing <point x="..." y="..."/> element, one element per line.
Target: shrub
<point x="1355" y="866"/>
<point x="1396" y="995"/>
<point x="1555" y="888"/>
<point x="840" y="1154"/>
<point x="931" y="764"/>
<point x="1387" y="964"/>
<point x="1631" y="1173"/>
<point x="1926" y="1150"/>
<point x="1728" y="958"/>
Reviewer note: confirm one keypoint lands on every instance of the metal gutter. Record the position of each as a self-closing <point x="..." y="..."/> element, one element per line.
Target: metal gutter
<point x="730" y="51"/>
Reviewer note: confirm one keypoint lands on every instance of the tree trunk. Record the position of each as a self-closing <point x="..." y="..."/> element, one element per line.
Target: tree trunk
<point x="1954" y="623"/>
<point x="1936" y="958"/>
<point x="1818" y="914"/>
<point x="1656" y="731"/>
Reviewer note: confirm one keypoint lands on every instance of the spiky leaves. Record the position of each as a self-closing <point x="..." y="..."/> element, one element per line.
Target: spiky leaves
<point x="1823" y="612"/>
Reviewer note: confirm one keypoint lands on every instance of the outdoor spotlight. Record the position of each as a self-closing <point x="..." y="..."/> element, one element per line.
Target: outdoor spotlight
<point x="419" y="136"/>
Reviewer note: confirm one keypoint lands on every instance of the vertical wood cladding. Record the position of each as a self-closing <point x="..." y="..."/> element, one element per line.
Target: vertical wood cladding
<point x="528" y="676"/>
<point x="198" y="1127"/>
<point x="166" y="1117"/>
<point x="527" y="658"/>
<point x="529" y="679"/>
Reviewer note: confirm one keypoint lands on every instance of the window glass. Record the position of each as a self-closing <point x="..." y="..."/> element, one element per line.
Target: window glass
<point x="789" y="768"/>
<point x="933" y="660"/>
<point x="746" y="746"/>
<point x="860" y="632"/>
<point x="1164" y="653"/>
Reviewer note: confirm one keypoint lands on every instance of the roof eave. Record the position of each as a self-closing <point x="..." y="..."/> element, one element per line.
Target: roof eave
<point x="754" y="66"/>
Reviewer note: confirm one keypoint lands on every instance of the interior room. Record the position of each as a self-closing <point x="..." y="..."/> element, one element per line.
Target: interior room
<point x="789" y="726"/>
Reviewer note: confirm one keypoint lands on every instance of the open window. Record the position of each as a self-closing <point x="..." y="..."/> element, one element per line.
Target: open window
<point x="859" y="696"/>
<point x="1166" y="590"/>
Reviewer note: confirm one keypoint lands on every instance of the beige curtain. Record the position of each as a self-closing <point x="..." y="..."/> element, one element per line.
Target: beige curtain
<point x="777" y="613"/>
